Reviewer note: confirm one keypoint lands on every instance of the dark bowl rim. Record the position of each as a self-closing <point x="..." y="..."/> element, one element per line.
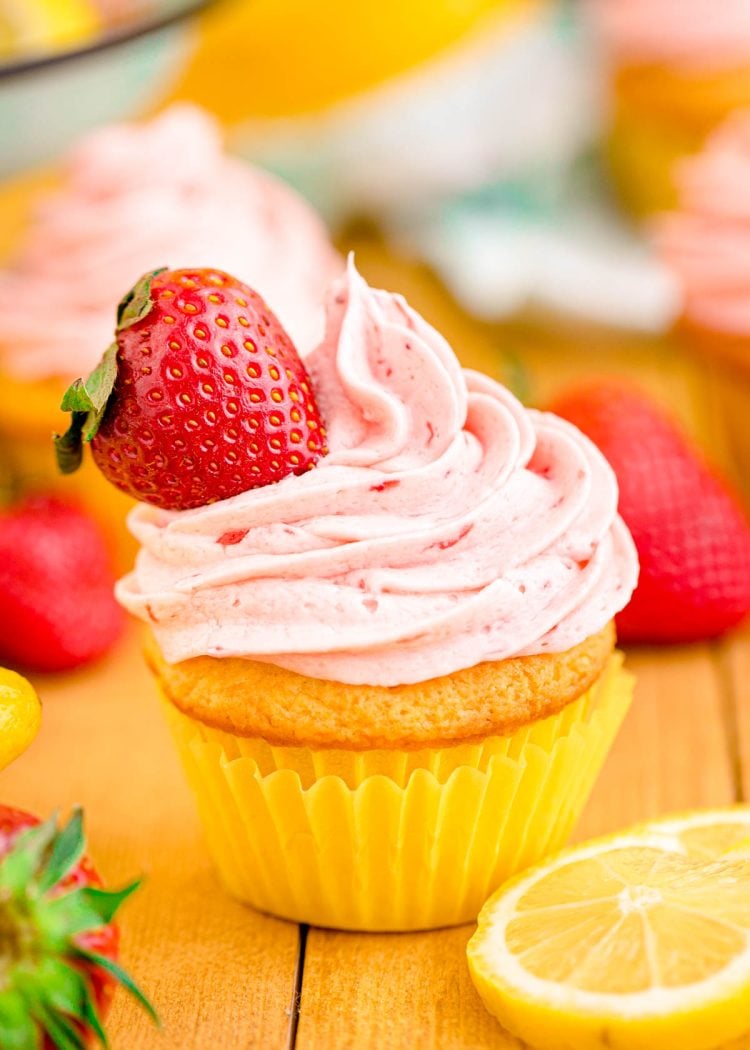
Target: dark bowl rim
<point x="112" y="39"/>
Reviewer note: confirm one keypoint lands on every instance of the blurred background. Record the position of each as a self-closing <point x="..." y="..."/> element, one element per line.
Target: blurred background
<point x="557" y="185"/>
<point x="561" y="187"/>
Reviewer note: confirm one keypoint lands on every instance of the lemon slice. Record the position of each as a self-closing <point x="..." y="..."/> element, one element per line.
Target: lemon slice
<point x="639" y="941"/>
<point x="20" y="715"/>
<point x="29" y="26"/>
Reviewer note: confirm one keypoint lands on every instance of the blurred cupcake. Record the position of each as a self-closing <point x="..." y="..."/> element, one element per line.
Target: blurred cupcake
<point x="133" y="197"/>
<point x="706" y="242"/>
<point x="392" y="678"/>
<point x="677" y="68"/>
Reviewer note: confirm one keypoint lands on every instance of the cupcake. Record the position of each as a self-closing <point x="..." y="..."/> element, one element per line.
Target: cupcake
<point x="677" y="68"/>
<point x="704" y="242"/>
<point x="39" y="28"/>
<point x="391" y="673"/>
<point x="133" y="197"/>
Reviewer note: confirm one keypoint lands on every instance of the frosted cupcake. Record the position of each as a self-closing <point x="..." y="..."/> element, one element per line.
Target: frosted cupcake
<point x="678" y="68"/>
<point x="391" y="674"/>
<point x="132" y="197"/>
<point x="706" y="242"/>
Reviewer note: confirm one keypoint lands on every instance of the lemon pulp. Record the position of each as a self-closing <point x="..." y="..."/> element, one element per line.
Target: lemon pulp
<point x="640" y="941"/>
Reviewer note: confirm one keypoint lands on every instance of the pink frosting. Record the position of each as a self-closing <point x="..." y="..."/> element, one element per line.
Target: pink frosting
<point x="140" y="196"/>
<point x="710" y="34"/>
<point x="707" y="242"/>
<point x="447" y="526"/>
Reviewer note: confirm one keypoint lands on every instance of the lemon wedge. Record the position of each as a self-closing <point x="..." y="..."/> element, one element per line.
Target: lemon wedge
<point x="638" y="941"/>
<point x="20" y="715"/>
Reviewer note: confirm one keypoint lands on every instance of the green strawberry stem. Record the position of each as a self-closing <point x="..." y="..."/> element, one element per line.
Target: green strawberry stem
<point x="87" y="399"/>
<point x="138" y="302"/>
<point x="43" y="957"/>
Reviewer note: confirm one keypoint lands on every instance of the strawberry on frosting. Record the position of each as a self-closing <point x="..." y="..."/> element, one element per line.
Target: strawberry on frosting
<point x="134" y="197"/>
<point x="201" y="396"/>
<point x="447" y="525"/>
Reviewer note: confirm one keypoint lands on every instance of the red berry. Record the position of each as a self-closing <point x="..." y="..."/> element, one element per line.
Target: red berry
<point x="210" y="396"/>
<point x="692" y="536"/>
<point x="57" y="608"/>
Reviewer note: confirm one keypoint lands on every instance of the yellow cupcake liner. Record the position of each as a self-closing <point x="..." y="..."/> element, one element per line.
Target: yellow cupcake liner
<point x="395" y="839"/>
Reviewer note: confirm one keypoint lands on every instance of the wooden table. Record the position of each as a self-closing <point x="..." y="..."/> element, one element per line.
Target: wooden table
<point x="226" y="978"/>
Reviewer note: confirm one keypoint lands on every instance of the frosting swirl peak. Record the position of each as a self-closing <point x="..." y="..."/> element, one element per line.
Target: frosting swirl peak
<point x="447" y="526"/>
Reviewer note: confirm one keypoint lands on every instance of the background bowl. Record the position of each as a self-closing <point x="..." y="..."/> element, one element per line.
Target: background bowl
<point x="47" y="101"/>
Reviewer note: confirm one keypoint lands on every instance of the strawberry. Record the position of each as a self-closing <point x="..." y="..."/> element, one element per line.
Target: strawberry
<point x="58" y="945"/>
<point x="202" y="395"/>
<point x="692" y="536"/>
<point x="57" y="608"/>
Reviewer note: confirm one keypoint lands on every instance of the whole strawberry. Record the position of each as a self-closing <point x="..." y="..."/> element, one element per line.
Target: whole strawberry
<point x="58" y="945"/>
<point x="57" y="609"/>
<point x="692" y="536"/>
<point x="202" y="396"/>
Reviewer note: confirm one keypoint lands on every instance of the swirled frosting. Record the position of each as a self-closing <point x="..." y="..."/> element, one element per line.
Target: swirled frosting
<point x="447" y="526"/>
<point x="710" y="34"/>
<point x="707" y="242"/>
<point x="135" y="197"/>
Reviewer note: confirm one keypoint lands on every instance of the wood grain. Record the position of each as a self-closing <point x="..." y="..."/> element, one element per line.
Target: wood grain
<point x="735" y="657"/>
<point x="393" y="992"/>
<point x="219" y="974"/>
<point x="672" y="752"/>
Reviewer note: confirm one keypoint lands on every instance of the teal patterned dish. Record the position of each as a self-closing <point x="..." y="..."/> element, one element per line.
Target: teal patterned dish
<point x="47" y="101"/>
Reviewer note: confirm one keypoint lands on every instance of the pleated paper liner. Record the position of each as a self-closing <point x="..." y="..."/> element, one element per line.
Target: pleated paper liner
<point x="395" y="840"/>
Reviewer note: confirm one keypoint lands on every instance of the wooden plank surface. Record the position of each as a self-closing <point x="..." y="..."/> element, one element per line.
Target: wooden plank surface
<point x="220" y="975"/>
<point x="735" y="657"/>
<point x="672" y="752"/>
<point x="224" y="977"/>
<point x="413" y="990"/>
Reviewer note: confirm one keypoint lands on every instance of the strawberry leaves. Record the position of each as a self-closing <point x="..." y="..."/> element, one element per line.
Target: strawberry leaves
<point x="122" y="978"/>
<point x="16" y="1023"/>
<point x="46" y="961"/>
<point x="17" y="867"/>
<point x="87" y="400"/>
<point x="67" y="850"/>
<point x="137" y="303"/>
